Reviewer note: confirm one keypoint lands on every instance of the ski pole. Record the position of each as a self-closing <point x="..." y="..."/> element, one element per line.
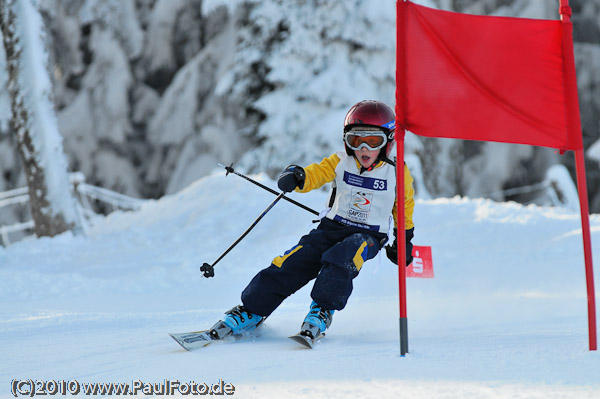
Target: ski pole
<point x="209" y="270"/>
<point x="230" y="169"/>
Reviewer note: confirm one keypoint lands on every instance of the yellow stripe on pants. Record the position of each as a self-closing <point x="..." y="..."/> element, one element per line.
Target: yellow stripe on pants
<point x="278" y="261"/>
<point x="358" y="257"/>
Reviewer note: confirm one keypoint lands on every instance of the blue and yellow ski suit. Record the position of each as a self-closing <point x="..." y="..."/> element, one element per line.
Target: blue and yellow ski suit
<point x="352" y="232"/>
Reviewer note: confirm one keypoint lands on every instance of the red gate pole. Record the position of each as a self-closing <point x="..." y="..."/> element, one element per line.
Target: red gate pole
<point x="399" y="137"/>
<point x="574" y="126"/>
<point x="587" y="247"/>
<point x="401" y="237"/>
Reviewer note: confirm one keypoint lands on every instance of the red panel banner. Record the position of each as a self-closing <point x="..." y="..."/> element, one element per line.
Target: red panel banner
<point x="422" y="264"/>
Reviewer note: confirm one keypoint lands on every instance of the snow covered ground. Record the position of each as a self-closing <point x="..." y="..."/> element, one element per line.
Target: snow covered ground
<point x="504" y="317"/>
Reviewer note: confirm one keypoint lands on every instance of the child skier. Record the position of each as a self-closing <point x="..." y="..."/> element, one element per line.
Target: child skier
<point x="353" y="231"/>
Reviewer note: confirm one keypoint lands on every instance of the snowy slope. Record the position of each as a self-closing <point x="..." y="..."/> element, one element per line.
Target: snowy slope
<point x="504" y="317"/>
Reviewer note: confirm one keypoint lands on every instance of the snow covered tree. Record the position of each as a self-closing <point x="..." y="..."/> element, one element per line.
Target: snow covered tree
<point x="151" y="94"/>
<point x="53" y="206"/>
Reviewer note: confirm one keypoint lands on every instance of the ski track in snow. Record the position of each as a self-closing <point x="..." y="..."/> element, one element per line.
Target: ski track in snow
<point x="504" y="317"/>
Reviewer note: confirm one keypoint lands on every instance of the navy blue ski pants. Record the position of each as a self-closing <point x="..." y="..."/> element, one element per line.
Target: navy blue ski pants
<point x="333" y="254"/>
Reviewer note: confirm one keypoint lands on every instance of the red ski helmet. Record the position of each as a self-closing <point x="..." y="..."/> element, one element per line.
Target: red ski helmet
<point x="370" y="113"/>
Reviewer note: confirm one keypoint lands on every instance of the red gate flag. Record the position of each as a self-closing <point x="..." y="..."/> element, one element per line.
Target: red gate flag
<point x="483" y="78"/>
<point x="486" y="78"/>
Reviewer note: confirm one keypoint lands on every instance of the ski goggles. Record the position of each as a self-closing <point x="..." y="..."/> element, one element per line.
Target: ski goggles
<point x="370" y="140"/>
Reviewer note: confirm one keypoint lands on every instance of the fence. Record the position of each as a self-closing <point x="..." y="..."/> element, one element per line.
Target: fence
<point x="88" y="197"/>
<point x="558" y="188"/>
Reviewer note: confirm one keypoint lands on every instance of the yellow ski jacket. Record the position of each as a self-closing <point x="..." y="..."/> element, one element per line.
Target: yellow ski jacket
<point x="318" y="174"/>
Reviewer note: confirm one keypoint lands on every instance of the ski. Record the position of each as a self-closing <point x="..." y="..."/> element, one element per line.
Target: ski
<point x="194" y="340"/>
<point x="191" y="341"/>
<point x="305" y="340"/>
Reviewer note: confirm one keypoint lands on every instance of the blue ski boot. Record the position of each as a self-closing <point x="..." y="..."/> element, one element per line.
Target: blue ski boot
<point x="316" y="321"/>
<point x="237" y="321"/>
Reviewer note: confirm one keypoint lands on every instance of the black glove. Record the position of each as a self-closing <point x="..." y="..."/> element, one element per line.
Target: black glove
<point x="293" y="176"/>
<point x="392" y="250"/>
